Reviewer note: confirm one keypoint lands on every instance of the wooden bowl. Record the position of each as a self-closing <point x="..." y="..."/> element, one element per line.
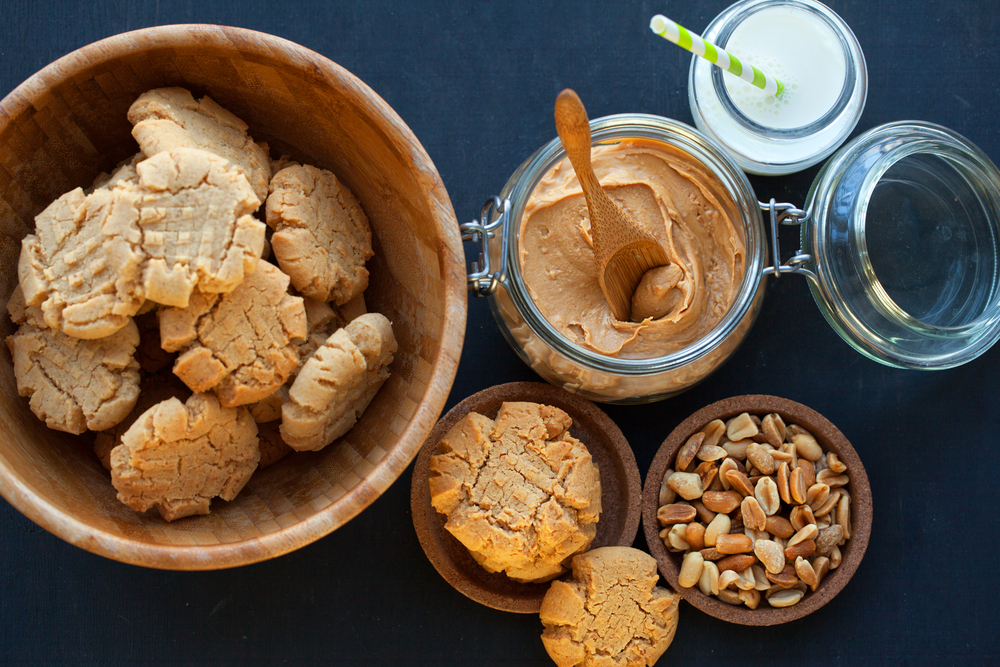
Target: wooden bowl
<point x="620" y="494"/>
<point x="67" y="123"/>
<point x="831" y="439"/>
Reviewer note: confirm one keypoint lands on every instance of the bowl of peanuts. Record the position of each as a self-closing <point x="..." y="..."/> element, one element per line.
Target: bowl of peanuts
<point x="757" y="510"/>
<point x="216" y="131"/>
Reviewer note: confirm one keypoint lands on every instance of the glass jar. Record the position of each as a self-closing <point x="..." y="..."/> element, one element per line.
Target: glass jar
<point x="765" y="150"/>
<point x="898" y="238"/>
<point x="558" y="359"/>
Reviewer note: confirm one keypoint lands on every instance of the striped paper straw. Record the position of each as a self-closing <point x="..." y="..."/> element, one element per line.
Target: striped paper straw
<point x="688" y="40"/>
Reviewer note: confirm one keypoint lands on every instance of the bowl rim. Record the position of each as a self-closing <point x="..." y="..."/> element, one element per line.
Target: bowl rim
<point x="831" y="438"/>
<point x="444" y="367"/>
<point x="525" y="598"/>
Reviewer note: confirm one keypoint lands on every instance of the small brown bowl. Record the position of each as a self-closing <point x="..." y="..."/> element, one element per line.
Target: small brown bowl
<point x="831" y="439"/>
<point x="620" y="494"/>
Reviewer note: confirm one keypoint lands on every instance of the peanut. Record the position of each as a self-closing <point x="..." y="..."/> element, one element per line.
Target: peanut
<point x="668" y="515"/>
<point x="805" y="548"/>
<point x="785" y="598"/>
<point x="779" y="526"/>
<point x="786" y="577"/>
<point x="808" y="472"/>
<point x="828" y="540"/>
<point x="844" y="515"/>
<point x="738" y="562"/>
<point x="686" y="484"/>
<point x="725" y="468"/>
<point x="770" y="554"/>
<point x="737" y="450"/>
<point x="727" y="579"/>
<point x="730" y="597"/>
<point x="706" y="515"/>
<point x="708" y="582"/>
<point x="766" y="494"/>
<point x="667" y="495"/>
<point x="800" y="516"/>
<point x="806" y="446"/>
<point x="747" y="581"/>
<point x="707" y="471"/>
<point x="835" y="558"/>
<point x="761" y="582"/>
<point x="753" y="515"/>
<point x="739" y="482"/>
<point x="783" y="488"/>
<point x="733" y="544"/>
<point x="806" y="573"/>
<point x="675" y="538"/>
<point x="711" y="553"/>
<point x="816" y="495"/>
<point x="760" y="458"/>
<point x="832" y="479"/>
<point x="741" y="427"/>
<point x="721" y="501"/>
<point x="751" y="598"/>
<point x="690" y="571"/>
<point x="720" y="525"/>
<point x="796" y="486"/>
<point x="773" y="427"/>
<point x="808" y="532"/>
<point x="713" y="432"/>
<point x="821" y="565"/>
<point x="834" y="463"/>
<point x="712" y="453"/>
<point x="687" y="452"/>
<point x="695" y="536"/>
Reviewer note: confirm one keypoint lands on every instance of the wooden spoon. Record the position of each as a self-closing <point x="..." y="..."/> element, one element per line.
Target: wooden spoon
<point x="623" y="251"/>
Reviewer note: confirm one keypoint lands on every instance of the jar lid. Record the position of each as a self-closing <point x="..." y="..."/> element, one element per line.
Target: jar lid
<point x="903" y="229"/>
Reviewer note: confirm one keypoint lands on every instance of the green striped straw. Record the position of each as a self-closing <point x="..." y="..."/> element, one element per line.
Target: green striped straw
<point x="688" y="40"/>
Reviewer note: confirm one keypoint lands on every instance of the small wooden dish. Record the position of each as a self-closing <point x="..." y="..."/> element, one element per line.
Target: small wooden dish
<point x="620" y="497"/>
<point x="831" y="439"/>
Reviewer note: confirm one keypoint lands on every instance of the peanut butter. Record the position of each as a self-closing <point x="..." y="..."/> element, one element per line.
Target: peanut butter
<point x="679" y="202"/>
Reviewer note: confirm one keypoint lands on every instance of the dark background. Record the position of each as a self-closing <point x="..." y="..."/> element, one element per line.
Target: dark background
<point x="476" y="82"/>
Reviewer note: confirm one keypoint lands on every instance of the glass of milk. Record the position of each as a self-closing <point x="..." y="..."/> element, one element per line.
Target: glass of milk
<point x="810" y="49"/>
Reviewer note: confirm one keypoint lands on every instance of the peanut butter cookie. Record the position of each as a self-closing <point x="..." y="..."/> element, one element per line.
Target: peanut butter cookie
<point x="336" y="385"/>
<point x="178" y="456"/>
<point x="610" y="613"/>
<point x="169" y="118"/>
<point x="73" y="384"/>
<point x="197" y="225"/>
<point x="241" y="343"/>
<point x="321" y="235"/>
<point x="84" y="275"/>
<point x="520" y="492"/>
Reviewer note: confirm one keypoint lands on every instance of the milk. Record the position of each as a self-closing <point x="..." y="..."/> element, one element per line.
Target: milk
<point x="800" y="50"/>
<point x="806" y="46"/>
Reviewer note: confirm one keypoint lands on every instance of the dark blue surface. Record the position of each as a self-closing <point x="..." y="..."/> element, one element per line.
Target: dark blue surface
<point x="476" y="83"/>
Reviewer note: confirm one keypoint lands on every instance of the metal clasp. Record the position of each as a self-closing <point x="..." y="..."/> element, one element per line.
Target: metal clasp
<point x="786" y="214"/>
<point x="482" y="280"/>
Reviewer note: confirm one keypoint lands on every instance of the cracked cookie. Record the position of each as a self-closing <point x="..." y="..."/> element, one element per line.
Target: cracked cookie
<point x="169" y="118"/>
<point x="240" y="344"/>
<point x="272" y="447"/>
<point x="321" y="236"/>
<point x="178" y="456"/>
<point x="78" y="269"/>
<point x="335" y="386"/>
<point x="197" y="226"/>
<point x="520" y="492"/>
<point x="73" y="384"/>
<point x="610" y="613"/>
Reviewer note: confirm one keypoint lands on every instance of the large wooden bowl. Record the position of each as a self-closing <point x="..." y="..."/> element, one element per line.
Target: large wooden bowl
<point x="67" y="123"/>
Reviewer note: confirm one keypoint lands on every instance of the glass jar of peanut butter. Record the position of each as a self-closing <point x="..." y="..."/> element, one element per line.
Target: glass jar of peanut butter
<point x="898" y="239"/>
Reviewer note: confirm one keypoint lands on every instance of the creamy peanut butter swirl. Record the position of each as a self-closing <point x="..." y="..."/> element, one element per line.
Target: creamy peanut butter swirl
<point x="678" y="201"/>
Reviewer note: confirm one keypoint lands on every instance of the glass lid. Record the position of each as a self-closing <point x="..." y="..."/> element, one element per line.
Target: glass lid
<point x="903" y="231"/>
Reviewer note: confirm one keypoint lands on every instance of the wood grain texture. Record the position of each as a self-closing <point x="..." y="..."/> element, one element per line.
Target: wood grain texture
<point x="67" y="123"/>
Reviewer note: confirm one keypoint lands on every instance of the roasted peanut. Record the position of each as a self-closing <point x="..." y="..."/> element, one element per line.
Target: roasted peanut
<point x="667" y="495"/>
<point x="708" y="582"/>
<point x="707" y="471"/>
<point x="800" y="516"/>
<point x="835" y="558"/>
<point x="782" y="481"/>
<point x="779" y="526"/>
<point x="770" y="555"/>
<point x="766" y="493"/>
<point x="695" y="536"/>
<point x="746" y="581"/>
<point x="714" y="432"/>
<point x="739" y="482"/>
<point x="808" y="472"/>
<point x="785" y="598"/>
<point x="741" y="427"/>
<point x="704" y="514"/>
<point x="834" y="463"/>
<point x="690" y="571"/>
<point x="711" y="553"/>
<point x="808" y="532"/>
<point x="733" y="544"/>
<point x="786" y="577"/>
<point x="821" y="565"/>
<point x="832" y="479"/>
<point x="806" y="573"/>
<point x="773" y="427"/>
<point x="805" y="548"/>
<point x="806" y="446"/>
<point x="738" y="562"/>
<point x="730" y="597"/>
<point x="761" y="582"/>
<point x="686" y="484"/>
<point x="687" y="452"/>
<point x="720" y="525"/>
<point x="668" y="515"/>
<point x="725" y="468"/>
<point x="761" y="458"/>
<point x="712" y="453"/>
<point x="728" y="578"/>
<point x="828" y="505"/>
<point x="753" y="515"/>
<point x="828" y="540"/>
<point x="816" y="495"/>
<point x="796" y="486"/>
<point x="751" y="598"/>
<point x="844" y="515"/>
<point x="721" y="501"/>
<point x="675" y="538"/>
<point x="737" y="450"/>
